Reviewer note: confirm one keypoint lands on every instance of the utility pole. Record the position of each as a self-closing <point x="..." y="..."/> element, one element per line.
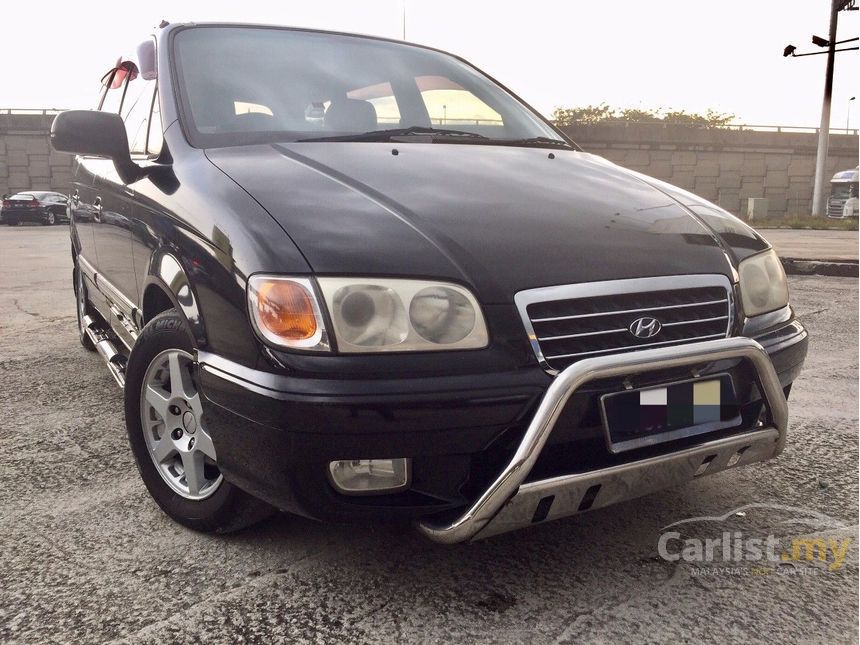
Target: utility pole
<point x="819" y="196"/>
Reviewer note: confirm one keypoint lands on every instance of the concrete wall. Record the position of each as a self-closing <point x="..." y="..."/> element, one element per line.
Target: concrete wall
<point x="27" y="160"/>
<point x="723" y="166"/>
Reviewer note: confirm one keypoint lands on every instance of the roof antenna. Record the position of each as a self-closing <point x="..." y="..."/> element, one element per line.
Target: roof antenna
<point x="403" y="4"/>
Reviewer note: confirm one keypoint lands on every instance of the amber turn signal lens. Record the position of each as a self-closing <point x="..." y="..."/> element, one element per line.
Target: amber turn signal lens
<point x="286" y="310"/>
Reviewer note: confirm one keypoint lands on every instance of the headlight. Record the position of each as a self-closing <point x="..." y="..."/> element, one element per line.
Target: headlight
<point x="390" y="315"/>
<point x="285" y="312"/>
<point x="763" y="285"/>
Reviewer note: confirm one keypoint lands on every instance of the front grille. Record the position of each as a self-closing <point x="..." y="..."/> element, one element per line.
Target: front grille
<point x="572" y="322"/>
<point x="835" y="206"/>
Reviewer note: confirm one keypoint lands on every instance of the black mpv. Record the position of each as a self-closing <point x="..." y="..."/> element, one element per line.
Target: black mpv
<point x="357" y="279"/>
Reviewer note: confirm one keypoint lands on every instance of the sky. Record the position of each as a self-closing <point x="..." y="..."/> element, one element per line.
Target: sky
<point x="677" y="54"/>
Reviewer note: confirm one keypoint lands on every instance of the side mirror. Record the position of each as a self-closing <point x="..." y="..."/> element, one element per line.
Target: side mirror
<point x="98" y="134"/>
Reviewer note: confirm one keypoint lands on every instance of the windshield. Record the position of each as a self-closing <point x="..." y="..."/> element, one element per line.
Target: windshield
<point x="843" y="189"/>
<point x="244" y="85"/>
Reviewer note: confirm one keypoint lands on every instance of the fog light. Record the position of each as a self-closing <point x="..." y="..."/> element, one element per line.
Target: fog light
<point x="370" y="476"/>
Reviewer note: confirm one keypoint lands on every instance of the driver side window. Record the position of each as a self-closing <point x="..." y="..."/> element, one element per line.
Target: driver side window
<point x="112" y="93"/>
<point x="136" y="111"/>
<point x="135" y="98"/>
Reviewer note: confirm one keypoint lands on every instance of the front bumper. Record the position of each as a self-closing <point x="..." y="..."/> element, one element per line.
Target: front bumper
<point x="275" y="434"/>
<point x="527" y="506"/>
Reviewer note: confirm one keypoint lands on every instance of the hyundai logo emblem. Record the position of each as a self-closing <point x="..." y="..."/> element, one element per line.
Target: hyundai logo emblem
<point x="645" y="327"/>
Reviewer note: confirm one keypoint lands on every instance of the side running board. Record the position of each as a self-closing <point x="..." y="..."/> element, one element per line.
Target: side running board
<point x="104" y="346"/>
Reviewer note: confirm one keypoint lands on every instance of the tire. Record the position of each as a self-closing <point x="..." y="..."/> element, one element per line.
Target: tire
<point x="82" y="308"/>
<point x="49" y="220"/>
<point x="173" y="452"/>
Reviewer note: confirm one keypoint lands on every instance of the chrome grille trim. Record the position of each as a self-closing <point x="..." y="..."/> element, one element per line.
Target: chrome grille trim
<point x="643" y="345"/>
<point x="627" y="311"/>
<point x="618" y="331"/>
<point x="631" y="287"/>
<point x="587" y="333"/>
<point x="693" y="322"/>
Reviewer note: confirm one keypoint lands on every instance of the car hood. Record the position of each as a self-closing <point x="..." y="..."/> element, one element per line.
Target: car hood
<point x="498" y="218"/>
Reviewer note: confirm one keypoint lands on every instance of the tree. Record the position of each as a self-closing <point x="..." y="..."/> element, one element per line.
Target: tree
<point x="588" y="115"/>
<point x="603" y="113"/>
<point x="635" y="115"/>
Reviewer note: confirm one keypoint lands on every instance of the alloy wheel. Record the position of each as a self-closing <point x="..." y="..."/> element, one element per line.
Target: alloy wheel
<point x="171" y="418"/>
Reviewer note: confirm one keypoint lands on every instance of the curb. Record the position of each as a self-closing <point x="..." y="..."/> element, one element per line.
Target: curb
<point x="833" y="268"/>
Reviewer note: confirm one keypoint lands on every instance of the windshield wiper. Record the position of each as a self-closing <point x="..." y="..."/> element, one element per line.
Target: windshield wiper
<point x="388" y="135"/>
<point x="435" y="134"/>
<point x="534" y="141"/>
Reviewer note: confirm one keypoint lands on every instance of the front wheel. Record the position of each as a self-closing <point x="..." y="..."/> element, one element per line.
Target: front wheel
<point x="167" y="432"/>
<point x="50" y="219"/>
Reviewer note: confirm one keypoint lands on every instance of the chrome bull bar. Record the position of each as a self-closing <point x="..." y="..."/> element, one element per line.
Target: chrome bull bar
<point x="507" y="504"/>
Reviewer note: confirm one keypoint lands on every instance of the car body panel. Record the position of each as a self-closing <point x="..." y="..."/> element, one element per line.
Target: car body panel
<point x="191" y="211"/>
<point x="499" y="218"/>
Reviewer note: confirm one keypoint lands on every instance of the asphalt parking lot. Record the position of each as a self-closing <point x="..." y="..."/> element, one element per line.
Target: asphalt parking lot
<point x="840" y="246"/>
<point x="87" y="557"/>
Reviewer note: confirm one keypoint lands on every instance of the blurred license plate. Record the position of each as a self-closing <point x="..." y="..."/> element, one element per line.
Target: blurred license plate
<point x="645" y="417"/>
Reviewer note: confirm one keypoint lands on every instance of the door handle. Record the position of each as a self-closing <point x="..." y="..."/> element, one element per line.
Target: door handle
<point x="97" y="204"/>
